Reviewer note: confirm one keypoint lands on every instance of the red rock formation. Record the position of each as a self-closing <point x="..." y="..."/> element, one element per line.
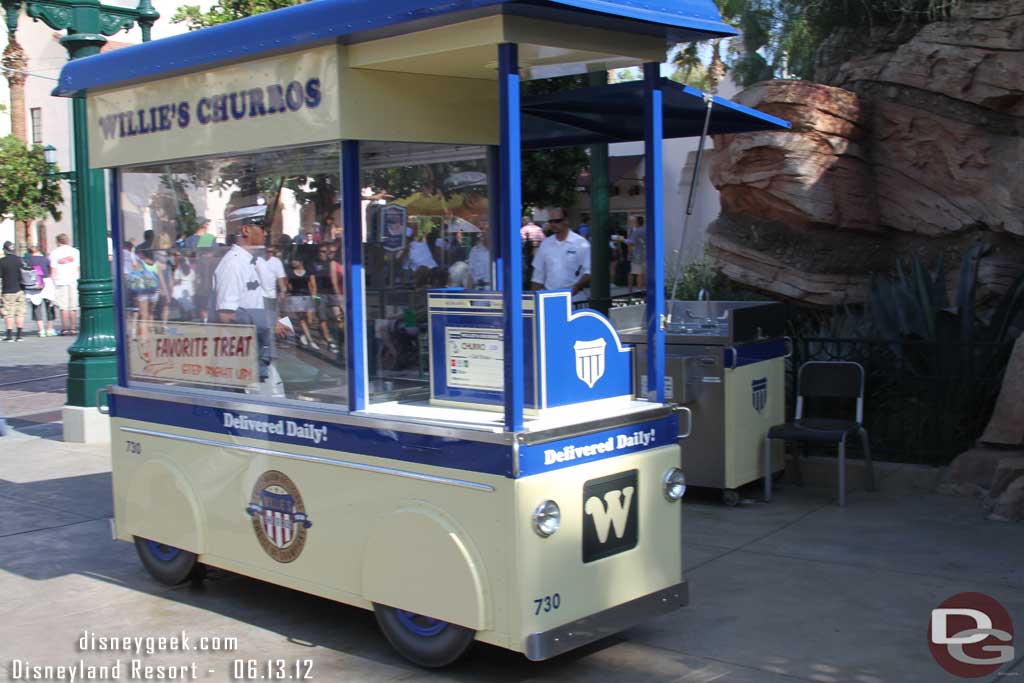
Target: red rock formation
<point x="918" y="150"/>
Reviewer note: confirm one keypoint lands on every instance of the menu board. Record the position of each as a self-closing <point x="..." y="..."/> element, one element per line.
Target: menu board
<point x="474" y="358"/>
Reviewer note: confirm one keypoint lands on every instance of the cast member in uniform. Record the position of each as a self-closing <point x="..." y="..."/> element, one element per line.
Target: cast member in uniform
<point x="239" y="298"/>
<point x="563" y="259"/>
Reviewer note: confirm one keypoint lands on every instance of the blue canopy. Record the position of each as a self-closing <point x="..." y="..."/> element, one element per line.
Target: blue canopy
<point x="615" y="113"/>
<point x="350" y="21"/>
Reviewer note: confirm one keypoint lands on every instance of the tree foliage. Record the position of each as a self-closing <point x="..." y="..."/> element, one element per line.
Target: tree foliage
<point x="226" y="10"/>
<point x="779" y="38"/>
<point x="550" y="176"/>
<point x="28" y="191"/>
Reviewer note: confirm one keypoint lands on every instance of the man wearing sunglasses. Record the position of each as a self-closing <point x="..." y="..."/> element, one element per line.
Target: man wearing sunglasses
<point x="563" y="259"/>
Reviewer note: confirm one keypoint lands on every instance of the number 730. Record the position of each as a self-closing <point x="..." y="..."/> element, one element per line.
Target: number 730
<point x="547" y="603"/>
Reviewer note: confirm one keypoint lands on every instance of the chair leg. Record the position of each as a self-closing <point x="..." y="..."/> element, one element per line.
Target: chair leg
<point x="797" y="452"/>
<point x="842" y="472"/>
<point x="767" y="469"/>
<point x="869" y="470"/>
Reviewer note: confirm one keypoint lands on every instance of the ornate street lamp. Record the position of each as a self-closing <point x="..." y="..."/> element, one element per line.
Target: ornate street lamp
<point x="93" y="363"/>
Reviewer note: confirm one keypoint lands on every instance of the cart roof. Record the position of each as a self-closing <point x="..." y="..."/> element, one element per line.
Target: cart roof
<point x="615" y="113"/>
<point x="352" y="21"/>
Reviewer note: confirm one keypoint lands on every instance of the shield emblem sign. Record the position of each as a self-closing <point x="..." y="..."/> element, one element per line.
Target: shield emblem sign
<point x="278" y="517"/>
<point x="590" y="361"/>
<point x="759" y="393"/>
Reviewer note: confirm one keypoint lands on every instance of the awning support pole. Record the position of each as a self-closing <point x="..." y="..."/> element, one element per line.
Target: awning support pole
<point x="653" y="129"/>
<point x="691" y="199"/>
<point x="508" y="232"/>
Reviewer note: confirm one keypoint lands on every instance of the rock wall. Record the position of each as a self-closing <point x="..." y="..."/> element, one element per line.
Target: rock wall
<point x="913" y="146"/>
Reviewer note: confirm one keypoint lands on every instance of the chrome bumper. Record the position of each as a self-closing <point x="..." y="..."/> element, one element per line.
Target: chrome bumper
<point x="575" y="634"/>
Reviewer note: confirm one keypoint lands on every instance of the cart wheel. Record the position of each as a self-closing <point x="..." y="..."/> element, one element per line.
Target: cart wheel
<point x="166" y="564"/>
<point x="731" y="497"/>
<point x="427" y="642"/>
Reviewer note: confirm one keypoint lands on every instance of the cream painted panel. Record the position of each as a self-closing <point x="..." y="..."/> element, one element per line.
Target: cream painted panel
<point x="745" y="428"/>
<point x="162" y="119"/>
<point x="546" y="566"/>
<point x="469" y="49"/>
<point x="384" y="105"/>
<point x="343" y="505"/>
<point x="160" y="503"/>
<point x="420" y="558"/>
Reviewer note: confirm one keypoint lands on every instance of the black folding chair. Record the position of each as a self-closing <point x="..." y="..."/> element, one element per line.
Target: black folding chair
<point x="824" y="379"/>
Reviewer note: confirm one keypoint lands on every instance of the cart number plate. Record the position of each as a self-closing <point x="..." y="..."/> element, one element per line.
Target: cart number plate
<point x="611" y="512"/>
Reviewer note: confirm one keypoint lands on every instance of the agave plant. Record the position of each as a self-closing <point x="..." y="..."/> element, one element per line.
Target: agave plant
<point x="945" y="359"/>
<point x="914" y="308"/>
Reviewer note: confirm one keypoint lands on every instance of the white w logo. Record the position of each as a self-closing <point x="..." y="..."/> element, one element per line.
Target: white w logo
<point x="614" y="511"/>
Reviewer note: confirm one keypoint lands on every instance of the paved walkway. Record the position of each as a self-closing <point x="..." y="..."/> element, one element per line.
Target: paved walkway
<point x="796" y="590"/>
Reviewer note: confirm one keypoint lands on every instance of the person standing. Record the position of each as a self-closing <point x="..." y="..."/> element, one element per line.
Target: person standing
<point x="12" y="293"/>
<point x="65" y="269"/>
<point x="239" y="299"/>
<point x="480" y="264"/>
<point x="563" y="259"/>
<point x="41" y="296"/>
<point x="637" y="242"/>
<point x="201" y="238"/>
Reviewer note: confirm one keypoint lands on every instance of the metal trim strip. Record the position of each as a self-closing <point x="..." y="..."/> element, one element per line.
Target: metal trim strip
<point x="313" y="458"/>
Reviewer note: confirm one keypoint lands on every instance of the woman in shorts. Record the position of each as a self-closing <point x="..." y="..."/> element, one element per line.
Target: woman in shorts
<point x="299" y="300"/>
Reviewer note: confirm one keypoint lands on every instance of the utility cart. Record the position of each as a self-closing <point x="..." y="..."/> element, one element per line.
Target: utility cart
<point x="270" y="422"/>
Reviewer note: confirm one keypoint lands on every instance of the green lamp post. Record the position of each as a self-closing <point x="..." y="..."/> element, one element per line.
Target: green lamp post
<point x="93" y="363"/>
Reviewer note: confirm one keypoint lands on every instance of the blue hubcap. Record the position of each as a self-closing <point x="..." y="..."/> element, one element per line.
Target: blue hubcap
<point x="164" y="553"/>
<point x="419" y="624"/>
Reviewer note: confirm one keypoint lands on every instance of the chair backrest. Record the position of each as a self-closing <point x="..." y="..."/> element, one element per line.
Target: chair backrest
<point x="831" y="379"/>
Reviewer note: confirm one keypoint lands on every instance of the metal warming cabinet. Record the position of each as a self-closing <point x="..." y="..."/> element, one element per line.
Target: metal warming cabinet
<point x="724" y="360"/>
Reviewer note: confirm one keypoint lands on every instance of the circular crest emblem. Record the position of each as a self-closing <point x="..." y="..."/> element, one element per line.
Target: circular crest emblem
<point x="278" y="516"/>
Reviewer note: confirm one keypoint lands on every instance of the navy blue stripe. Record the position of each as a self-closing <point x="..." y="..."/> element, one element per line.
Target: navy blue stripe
<point x="611" y="443"/>
<point x="748" y="354"/>
<point x="423" y="449"/>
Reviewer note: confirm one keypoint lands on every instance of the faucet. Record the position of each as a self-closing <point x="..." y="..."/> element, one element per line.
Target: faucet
<point x="709" y="319"/>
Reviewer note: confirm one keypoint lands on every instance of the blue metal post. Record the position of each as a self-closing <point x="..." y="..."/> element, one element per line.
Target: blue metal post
<point x="117" y="266"/>
<point x="355" y="308"/>
<point x="508" y="232"/>
<point x="655" y="236"/>
<point x="494" y="191"/>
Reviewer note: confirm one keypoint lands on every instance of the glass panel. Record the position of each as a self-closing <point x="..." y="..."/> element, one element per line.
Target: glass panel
<point x="232" y="274"/>
<point x="426" y="226"/>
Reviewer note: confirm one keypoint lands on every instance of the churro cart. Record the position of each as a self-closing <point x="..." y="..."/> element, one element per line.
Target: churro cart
<point x="268" y="421"/>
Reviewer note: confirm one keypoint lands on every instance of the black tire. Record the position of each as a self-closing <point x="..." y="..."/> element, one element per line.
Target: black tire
<point x="167" y="564"/>
<point x="426" y="642"/>
<point x="731" y="497"/>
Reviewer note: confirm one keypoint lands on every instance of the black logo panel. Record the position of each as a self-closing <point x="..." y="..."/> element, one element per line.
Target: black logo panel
<point x="611" y="512"/>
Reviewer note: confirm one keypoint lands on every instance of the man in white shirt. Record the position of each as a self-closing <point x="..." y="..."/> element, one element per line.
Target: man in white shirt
<point x="65" y="269"/>
<point x="239" y="298"/>
<point x="480" y="263"/>
<point x="272" y="277"/>
<point x="563" y="259"/>
<point x="420" y="256"/>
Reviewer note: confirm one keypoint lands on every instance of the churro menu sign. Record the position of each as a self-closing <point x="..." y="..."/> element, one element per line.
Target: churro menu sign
<point x="197" y="353"/>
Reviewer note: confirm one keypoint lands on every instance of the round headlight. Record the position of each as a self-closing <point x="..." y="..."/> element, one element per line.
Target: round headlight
<point x="674" y="483"/>
<point x="546" y="518"/>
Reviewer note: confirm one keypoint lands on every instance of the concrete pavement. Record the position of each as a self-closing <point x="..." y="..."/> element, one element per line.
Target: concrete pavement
<point x="795" y="590"/>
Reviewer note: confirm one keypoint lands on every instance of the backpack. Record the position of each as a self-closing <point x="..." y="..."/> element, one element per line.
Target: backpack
<point x="143" y="281"/>
<point x="29" y="277"/>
